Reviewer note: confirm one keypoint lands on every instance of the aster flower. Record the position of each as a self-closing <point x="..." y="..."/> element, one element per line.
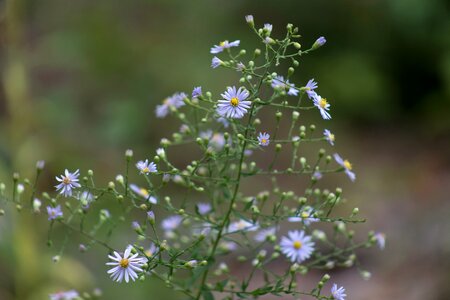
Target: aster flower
<point x="323" y="106"/>
<point x="297" y="246"/>
<point x="215" y="140"/>
<point x="264" y="139"/>
<point x="317" y="175"/>
<point x="126" y="266"/>
<point x="203" y="208"/>
<point x="329" y="136"/>
<point x="224" y="45"/>
<point x="171" y="223"/>
<point x="173" y="102"/>
<point x="306" y="217"/>
<point x="197" y="92"/>
<point x="68" y="181"/>
<point x="263" y="234"/>
<point x="268" y="28"/>
<point x="233" y="104"/>
<point x="223" y="121"/>
<point x="338" y="293"/>
<point x="144" y="193"/>
<point x="152" y="250"/>
<point x="228" y="246"/>
<point x="145" y="167"/>
<point x="240" y="67"/>
<point x="67" y="295"/>
<point x="279" y="83"/>
<point x="310" y="87"/>
<point x="37" y="205"/>
<point x="347" y="166"/>
<point x="54" y="212"/>
<point x="319" y="42"/>
<point x="249" y="19"/>
<point x="215" y="62"/>
<point x="380" y="239"/>
<point x="242" y="225"/>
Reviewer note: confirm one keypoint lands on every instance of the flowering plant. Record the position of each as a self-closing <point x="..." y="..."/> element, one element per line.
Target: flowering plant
<point x="235" y="206"/>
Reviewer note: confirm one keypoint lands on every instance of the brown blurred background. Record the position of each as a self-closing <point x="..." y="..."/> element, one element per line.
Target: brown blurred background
<point x="80" y="80"/>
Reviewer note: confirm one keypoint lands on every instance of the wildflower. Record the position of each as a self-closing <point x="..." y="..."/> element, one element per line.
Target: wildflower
<point x="380" y="239"/>
<point x="223" y="121"/>
<point x="240" y="67"/>
<point x="203" y="208"/>
<point x="264" y="139"/>
<point x="347" y="166"/>
<point x="310" y="87"/>
<point x="152" y="250"/>
<point x="268" y="28"/>
<point x="172" y="102"/>
<point x="306" y="216"/>
<point x="37" y="205"/>
<point x="216" y="140"/>
<point x="234" y="104"/>
<point x="224" y="45"/>
<point x="228" y="246"/>
<point x="317" y="175"/>
<point x="338" y="293"/>
<point x="197" y="92"/>
<point x="280" y="83"/>
<point x="161" y="152"/>
<point x="126" y="266"/>
<point x="242" y="225"/>
<point x="171" y="223"/>
<point x="68" y="181"/>
<point x="323" y="106"/>
<point x="329" y="136"/>
<point x="215" y="62"/>
<point x="67" y="295"/>
<point x="144" y="193"/>
<point x="145" y="167"/>
<point x="264" y="234"/>
<point x="249" y="19"/>
<point x="54" y="212"/>
<point x="319" y="42"/>
<point x="86" y="198"/>
<point x="40" y="164"/>
<point x="297" y="247"/>
<point x="151" y="217"/>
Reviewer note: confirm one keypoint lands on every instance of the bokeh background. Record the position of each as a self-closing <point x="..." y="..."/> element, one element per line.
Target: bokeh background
<point x="80" y="80"/>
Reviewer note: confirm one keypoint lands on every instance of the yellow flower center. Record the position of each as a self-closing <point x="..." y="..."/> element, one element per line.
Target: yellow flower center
<point x="143" y="192"/>
<point x="347" y="165"/>
<point x="166" y="101"/>
<point x="297" y="245"/>
<point x="305" y="214"/>
<point x="148" y="253"/>
<point x="263" y="141"/>
<point x="331" y="137"/>
<point x="323" y="102"/>
<point x="124" y="263"/>
<point x="221" y="44"/>
<point x="66" y="180"/>
<point x="145" y="170"/>
<point x="234" y="101"/>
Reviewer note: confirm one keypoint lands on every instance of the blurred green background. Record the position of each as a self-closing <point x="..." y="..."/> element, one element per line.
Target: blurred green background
<point x="80" y="81"/>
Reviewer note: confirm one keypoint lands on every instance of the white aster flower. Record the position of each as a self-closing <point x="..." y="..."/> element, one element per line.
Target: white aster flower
<point x="126" y="266"/>
<point x="347" y="166"/>
<point x="152" y="250"/>
<point x="68" y="181"/>
<point x="67" y="295"/>
<point x="297" y="246"/>
<point x="264" y="139"/>
<point x="338" y="293"/>
<point x="224" y="45"/>
<point x="329" y="136"/>
<point x="144" y="193"/>
<point x="305" y="216"/>
<point x="242" y="225"/>
<point x="233" y="104"/>
<point x="145" y="167"/>
<point x="264" y="234"/>
<point x="323" y="106"/>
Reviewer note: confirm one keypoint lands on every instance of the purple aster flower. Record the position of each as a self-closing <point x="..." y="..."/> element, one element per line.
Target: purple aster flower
<point x="54" y="212"/>
<point x="263" y="234"/>
<point x="145" y="167"/>
<point x="380" y="239"/>
<point x="242" y="225"/>
<point x="297" y="246"/>
<point x="319" y="42"/>
<point x="347" y="166"/>
<point x="317" y="175"/>
<point x="323" y="106"/>
<point x="173" y="102"/>
<point x="171" y="223"/>
<point x="249" y="19"/>
<point x="144" y="193"/>
<point x="68" y="181"/>
<point x="215" y="62"/>
<point x="233" y="104"/>
<point x="268" y="28"/>
<point x="224" y="45"/>
<point x="197" y="92"/>
<point x="125" y="266"/>
<point x="203" y="208"/>
<point x="329" y="136"/>
<point x="310" y="87"/>
<point x="279" y="83"/>
<point x="264" y="139"/>
<point x="338" y="293"/>
<point x="67" y="295"/>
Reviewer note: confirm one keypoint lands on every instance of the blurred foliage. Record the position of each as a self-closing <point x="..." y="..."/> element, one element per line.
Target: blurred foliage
<point x="80" y="80"/>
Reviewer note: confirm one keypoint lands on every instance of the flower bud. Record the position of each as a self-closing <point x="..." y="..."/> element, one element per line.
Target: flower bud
<point x="40" y="164"/>
<point x="297" y="45"/>
<point x="129" y="154"/>
<point x="250" y="21"/>
<point x="319" y="43"/>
